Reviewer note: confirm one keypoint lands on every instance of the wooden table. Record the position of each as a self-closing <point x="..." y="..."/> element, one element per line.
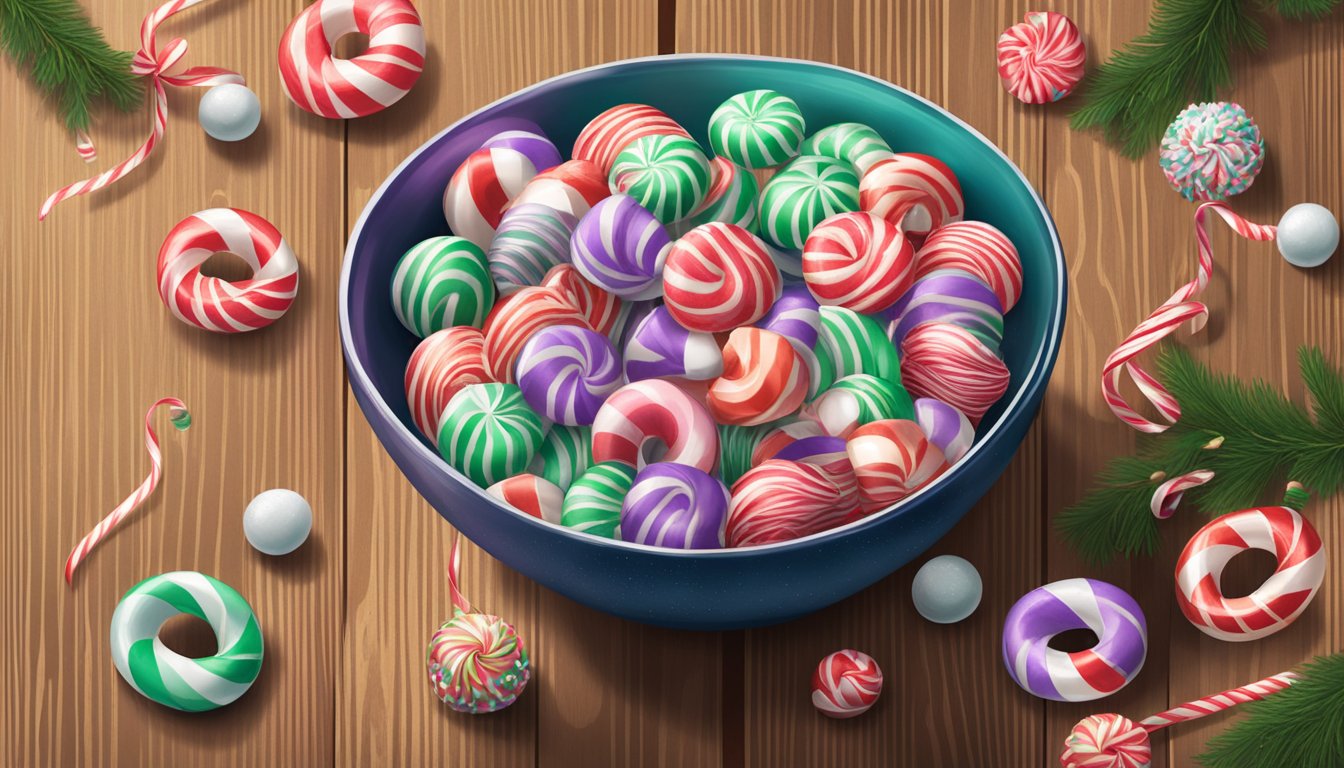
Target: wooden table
<point x="87" y="346"/>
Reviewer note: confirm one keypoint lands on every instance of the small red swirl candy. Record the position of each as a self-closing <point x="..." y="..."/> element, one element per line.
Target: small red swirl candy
<point x="573" y="186"/>
<point x="533" y="495"/>
<point x="513" y="321"/>
<point x="481" y="190"/>
<point x="601" y="308"/>
<point x="780" y="500"/>
<point x="654" y="420"/>
<point x="858" y="261"/>
<point x="443" y="363"/>
<point x="617" y="128"/>
<point x="892" y="459"/>
<point x="977" y="248"/>
<point x="763" y="379"/>
<point x="719" y="276"/>
<point x="917" y="192"/>
<point x="1041" y="59"/>
<point x="846" y="684"/>
<point x="949" y="363"/>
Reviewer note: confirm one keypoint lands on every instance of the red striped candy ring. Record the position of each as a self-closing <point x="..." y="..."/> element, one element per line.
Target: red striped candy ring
<point x="892" y="458"/>
<point x="719" y="276"/>
<point x="1041" y="59"/>
<point x="1164" y="321"/>
<point x="617" y="128"/>
<point x="513" y="321"/>
<point x="602" y="309"/>
<point x="218" y="305"/>
<point x="846" y="684"/>
<point x="858" y="261"/>
<point x="949" y="363"/>
<point x="573" y="186"/>
<point x="481" y="189"/>
<point x="977" y="248"/>
<point x="1281" y="531"/>
<point x="532" y="495"/>
<point x="443" y="363"/>
<point x="654" y="420"/>
<point x="917" y="192"/>
<point x="763" y="379"/>
<point x="780" y="500"/>
<point x="370" y="82"/>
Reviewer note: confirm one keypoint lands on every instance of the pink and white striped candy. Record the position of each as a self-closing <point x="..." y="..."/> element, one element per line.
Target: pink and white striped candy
<point x="917" y="192"/>
<point x="443" y="363"/>
<point x="719" y="276"/>
<point x="858" y="261"/>
<point x="217" y="305"/>
<point x="573" y="186"/>
<point x="617" y="128"/>
<point x="1041" y="59"/>
<point x="846" y="684"/>
<point x="654" y="420"/>
<point x="332" y="87"/>
<point x="481" y="190"/>
<point x="892" y="459"/>
<point x="601" y="308"/>
<point x="1283" y="597"/>
<point x="780" y="500"/>
<point x="513" y="321"/>
<point x="977" y="248"/>
<point x="533" y="495"/>
<point x="948" y="363"/>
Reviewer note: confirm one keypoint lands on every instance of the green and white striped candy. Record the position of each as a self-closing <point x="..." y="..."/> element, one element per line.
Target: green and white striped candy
<point x="442" y="282"/>
<point x="169" y="678"/>
<point x="731" y="199"/>
<point x="861" y="399"/>
<point x="850" y="343"/>
<point x="804" y="193"/>
<point x="488" y="432"/>
<point x="736" y="445"/>
<point x="855" y="143"/>
<point x="757" y="129"/>
<point x="565" y="453"/>
<point x="593" y="503"/>
<point x="669" y="175"/>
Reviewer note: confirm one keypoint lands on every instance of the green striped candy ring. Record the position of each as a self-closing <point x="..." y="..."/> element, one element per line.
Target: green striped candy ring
<point x="442" y="282"/>
<point x="169" y="678"/>
<point x="565" y="453"/>
<point x="488" y="432"/>
<point x="860" y="399"/>
<point x="804" y="193"/>
<point x="855" y="143"/>
<point x="757" y="129"/>
<point x="669" y="175"/>
<point x="593" y="503"/>
<point x="850" y="343"/>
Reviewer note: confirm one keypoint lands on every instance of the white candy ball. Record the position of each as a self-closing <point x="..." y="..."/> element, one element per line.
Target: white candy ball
<point x="277" y="521"/>
<point x="946" y="589"/>
<point x="1308" y="235"/>
<point x="229" y="112"/>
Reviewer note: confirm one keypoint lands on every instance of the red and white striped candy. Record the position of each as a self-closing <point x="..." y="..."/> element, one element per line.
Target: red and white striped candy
<point x="846" y="684"/>
<point x="719" y="276"/>
<point x="370" y="82"/>
<point x="763" y="379"/>
<point x="1276" y="603"/>
<point x="780" y="500"/>
<point x="917" y="192"/>
<point x="481" y="190"/>
<point x="573" y="186"/>
<point x="617" y="128"/>
<point x="858" y="261"/>
<point x="602" y="309"/>
<point x="892" y="459"/>
<point x="949" y="363"/>
<point x="977" y="248"/>
<point x="1041" y="59"/>
<point x="443" y="363"/>
<point x="513" y="321"/>
<point x="533" y="495"/>
<point x="218" y="305"/>
<point x="654" y="420"/>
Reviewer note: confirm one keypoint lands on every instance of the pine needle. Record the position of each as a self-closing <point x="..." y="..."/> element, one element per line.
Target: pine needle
<point x="1301" y="726"/>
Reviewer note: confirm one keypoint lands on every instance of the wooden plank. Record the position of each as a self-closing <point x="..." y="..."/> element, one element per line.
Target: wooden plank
<point x="947" y="701"/>
<point x="267" y="408"/>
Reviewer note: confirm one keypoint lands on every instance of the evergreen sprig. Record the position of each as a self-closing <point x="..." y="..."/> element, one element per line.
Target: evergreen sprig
<point x="1301" y="726"/>
<point x="68" y="57"/>
<point x="1251" y="436"/>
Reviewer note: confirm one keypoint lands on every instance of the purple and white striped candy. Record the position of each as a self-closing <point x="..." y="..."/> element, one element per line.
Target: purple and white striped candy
<point x="566" y="373"/>
<point x="660" y="347"/>
<point x="948" y="296"/>
<point x="533" y="144"/>
<point x="794" y="315"/>
<point x="945" y="426"/>
<point x="823" y="451"/>
<point x="531" y="239"/>
<point x="620" y="246"/>
<point x="677" y="506"/>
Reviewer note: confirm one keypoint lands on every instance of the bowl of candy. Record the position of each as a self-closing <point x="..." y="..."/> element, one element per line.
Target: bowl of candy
<point x="704" y="341"/>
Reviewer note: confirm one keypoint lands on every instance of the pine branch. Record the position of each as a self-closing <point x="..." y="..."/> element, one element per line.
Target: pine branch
<point x="1297" y="9"/>
<point x="1301" y="726"/>
<point x="68" y="57"/>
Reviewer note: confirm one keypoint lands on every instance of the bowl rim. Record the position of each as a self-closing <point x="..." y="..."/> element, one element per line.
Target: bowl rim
<point x="1036" y="376"/>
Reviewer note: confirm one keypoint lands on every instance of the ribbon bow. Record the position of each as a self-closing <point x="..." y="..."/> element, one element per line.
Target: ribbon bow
<point x="156" y="64"/>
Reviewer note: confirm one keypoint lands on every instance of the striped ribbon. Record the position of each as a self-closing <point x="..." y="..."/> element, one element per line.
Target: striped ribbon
<point x="1209" y="705"/>
<point x="460" y="603"/>
<point x="152" y="62"/>
<point x="1168" y="495"/>
<point x="1164" y="321"/>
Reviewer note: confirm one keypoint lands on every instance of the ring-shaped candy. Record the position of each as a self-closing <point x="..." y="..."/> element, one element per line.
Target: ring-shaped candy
<point x="169" y="678"/>
<point x="332" y="87"/>
<point x="1274" y="605"/>
<point x="1105" y="609"/>
<point x="655" y="420"/>
<point x="218" y="305"/>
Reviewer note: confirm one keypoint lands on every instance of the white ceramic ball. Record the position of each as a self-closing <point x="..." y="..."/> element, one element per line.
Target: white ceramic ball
<point x="277" y="522"/>
<point x="946" y="589"/>
<point x="229" y="112"/>
<point x="1308" y="235"/>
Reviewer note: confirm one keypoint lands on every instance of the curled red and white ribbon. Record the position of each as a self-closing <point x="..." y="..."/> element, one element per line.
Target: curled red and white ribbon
<point x="155" y="63"/>
<point x="1164" y="321"/>
<point x="1168" y="495"/>
<point x="181" y="419"/>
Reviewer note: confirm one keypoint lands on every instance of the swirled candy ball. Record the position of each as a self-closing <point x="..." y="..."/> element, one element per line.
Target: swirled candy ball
<point x="567" y="372"/>
<point x="804" y="193"/>
<point x="660" y="347"/>
<point x="858" y="261"/>
<point x="1212" y="151"/>
<point x="947" y="362"/>
<point x="565" y="453"/>
<point x="477" y="663"/>
<point x="948" y="296"/>
<point x="855" y="143"/>
<point x="675" y="505"/>
<point x="892" y="459"/>
<point x="603" y="310"/>
<point x="488" y="432"/>
<point x="850" y="343"/>
<point x="978" y="249"/>
<point x="481" y="189"/>
<point x="846" y="684"/>
<point x="763" y="379"/>
<point x="1041" y="59"/>
<point x="1308" y="235"/>
<point x="593" y="503"/>
<point x="718" y="277"/>
<point x="757" y="129"/>
<point x="621" y="247"/>
<point x="531" y="495"/>
<point x="516" y="318"/>
<point x="860" y="399"/>
<point x="441" y="365"/>
<point x="573" y="186"/>
<point x="946" y="589"/>
<point x="946" y="427"/>
<point x="731" y="199"/>
<point x="669" y="175"/>
<point x="782" y="500"/>
<point x="532" y="143"/>
<point x="530" y="240"/>
<point x="919" y="193"/>
<point x="654" y="420"/>
<point x="442" y="282"/>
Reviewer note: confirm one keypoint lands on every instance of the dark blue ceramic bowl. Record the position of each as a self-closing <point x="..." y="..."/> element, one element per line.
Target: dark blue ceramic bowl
<point x="732" y="587"/>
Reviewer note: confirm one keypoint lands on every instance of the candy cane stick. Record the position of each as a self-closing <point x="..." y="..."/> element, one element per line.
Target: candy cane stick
<point x="180" y="419"/>
<point x="153" y="63"/>
<point x="1164" y="321"/>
